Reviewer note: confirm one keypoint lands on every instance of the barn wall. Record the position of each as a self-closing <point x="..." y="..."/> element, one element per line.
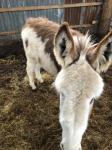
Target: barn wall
<point x="105" y="23"/>
<point x="84" y="17"/>
<point x="87" y="16"/>
<point x="13" y="21"/>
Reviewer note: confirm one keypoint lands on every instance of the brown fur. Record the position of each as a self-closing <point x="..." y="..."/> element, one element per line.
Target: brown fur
<point x="43" y="27"/>
<point x="97" y="50"/>
<point x="65" y="28"/>
<point x="104" y="40"/>
<point x="47" y="29"/>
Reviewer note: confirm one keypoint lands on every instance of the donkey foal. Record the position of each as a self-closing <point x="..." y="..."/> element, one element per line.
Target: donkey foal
<point x="37" y="36"/>
<point x="77" y="83"/>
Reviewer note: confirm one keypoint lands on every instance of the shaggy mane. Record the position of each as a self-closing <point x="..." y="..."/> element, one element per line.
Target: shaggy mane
<point x="84" y="43"/>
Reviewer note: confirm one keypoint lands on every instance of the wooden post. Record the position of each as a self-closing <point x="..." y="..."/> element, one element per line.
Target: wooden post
<point x="106" y="17"/>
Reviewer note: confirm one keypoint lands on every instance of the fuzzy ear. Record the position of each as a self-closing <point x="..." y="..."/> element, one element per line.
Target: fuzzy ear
<point x="64" y="48"/>
<point x="101" y="56"/>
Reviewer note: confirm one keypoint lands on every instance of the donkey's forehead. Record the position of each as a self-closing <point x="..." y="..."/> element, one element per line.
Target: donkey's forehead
<point x="79" y="79"/>
<point x="83" y="42"/>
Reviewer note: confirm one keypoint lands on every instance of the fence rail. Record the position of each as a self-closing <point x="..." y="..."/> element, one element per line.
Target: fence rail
<point x="80" y="14"/>
<point x="72" y="26"/>
<point x="61" y="6"/>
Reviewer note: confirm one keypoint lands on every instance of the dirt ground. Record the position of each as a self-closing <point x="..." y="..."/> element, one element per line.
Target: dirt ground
<point x="29" y="119"/>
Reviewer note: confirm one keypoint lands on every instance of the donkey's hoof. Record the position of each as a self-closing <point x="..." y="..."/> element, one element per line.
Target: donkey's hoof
<point x="33" y="87"/>
<point x="41" y="81"/>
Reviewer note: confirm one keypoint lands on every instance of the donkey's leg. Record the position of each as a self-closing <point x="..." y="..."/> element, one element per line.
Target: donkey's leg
<point x="38" y="74"/>
<point x="31" y="73"/>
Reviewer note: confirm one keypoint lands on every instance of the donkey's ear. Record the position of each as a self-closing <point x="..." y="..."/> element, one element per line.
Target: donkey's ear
<point x="101" y="55"/>
<point x="64" y="48"/>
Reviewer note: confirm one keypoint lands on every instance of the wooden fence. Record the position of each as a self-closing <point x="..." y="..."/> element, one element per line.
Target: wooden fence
<point x="82" y="14"/>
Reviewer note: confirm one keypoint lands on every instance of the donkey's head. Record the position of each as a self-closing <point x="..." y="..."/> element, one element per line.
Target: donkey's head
<point x="68" y="49"/>
<point x="78" y="82"/>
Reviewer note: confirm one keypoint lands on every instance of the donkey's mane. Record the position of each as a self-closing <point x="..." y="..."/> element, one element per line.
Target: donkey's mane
<point x="84" y="43"/>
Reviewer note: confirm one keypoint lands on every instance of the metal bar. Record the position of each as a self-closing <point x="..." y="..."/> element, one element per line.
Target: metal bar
<point x="83" y="25"/>
<point x="9" y="33"/>
<point x="82" y="13"/>
<point x="72" y="26"/>
<point x="60" y="6"/>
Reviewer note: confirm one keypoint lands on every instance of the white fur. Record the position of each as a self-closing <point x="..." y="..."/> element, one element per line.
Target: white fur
<point x="68" y="59"/>
<point x="85" y="42"/>
<point x="35" y="52"/>
<point x="77" y="85"/>
<point x="102" y="65"/>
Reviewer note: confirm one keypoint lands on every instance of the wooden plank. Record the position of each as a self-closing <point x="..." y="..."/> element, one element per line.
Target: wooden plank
<point x="82" y="26"/>
<point x="82" y="13"/>
<point x="61" y="6"/>
<point x="72" y="26"/>
<point x="106" y="17"/>
<point x="72" y="15"/>
<point x="9" y="33"/>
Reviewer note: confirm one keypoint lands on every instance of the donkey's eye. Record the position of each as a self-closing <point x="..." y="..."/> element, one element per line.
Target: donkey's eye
<point x="62" y="96"/>
<point x="108" y="52"/>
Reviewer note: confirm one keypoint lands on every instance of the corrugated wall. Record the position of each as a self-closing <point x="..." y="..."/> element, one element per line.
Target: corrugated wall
<point x="84" y="16"/>
<point x="13" y="21"/>
<point x="87" y="16"/>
